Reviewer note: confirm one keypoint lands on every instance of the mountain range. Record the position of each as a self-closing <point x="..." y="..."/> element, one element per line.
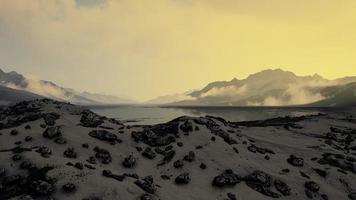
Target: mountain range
<point x="273" y="88"/>
<point x="266" y="88"/>
<point x="22" y="87"/>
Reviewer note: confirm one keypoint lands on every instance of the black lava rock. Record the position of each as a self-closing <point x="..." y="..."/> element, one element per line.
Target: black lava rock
<point x="104" y="135"/>
<point x="295" y="161"/>
<point x="129" y="162"/>
<point x="190" y="157"/>
<point x="228" y="178"/>
<point x="52" y="132"/>
<point x="69" y="188"/>
<point x="183" y="178"/>
<point x="70" y="153"/>
<point x="146" y="184"/>
<point x="178" y="164"/>
<point x="103" y="155"/>
<point x="148" y="153"/>
<point x="312" y="186"/>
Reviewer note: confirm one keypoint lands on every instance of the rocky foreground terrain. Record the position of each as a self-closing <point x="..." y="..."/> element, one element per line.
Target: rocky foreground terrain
<point x="53" y="150"/>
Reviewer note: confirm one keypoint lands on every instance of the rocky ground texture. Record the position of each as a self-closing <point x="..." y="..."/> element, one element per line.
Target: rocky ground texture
<point x="54" y="150"/>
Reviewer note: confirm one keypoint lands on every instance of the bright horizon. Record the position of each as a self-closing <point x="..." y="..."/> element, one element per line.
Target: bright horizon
<point x="142" y="49"/>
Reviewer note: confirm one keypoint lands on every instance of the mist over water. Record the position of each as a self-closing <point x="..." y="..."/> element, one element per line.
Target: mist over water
<point x="146" y="115"/>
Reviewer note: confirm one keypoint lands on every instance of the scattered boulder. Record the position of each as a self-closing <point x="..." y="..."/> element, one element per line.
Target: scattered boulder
<point x="295" y="161"/>
<point x="70" y="153"/>
<point x="178" y="164"/>
<point x="261" y="182"/>
<point x="52" y="132"/>
<point x="44" y="151"/>
<point x="187" y="126"/>
<point x="90" y="119"/>
<point x="190" y="157"/>
<point x="282" y="187"/>
<point x="104" y="135"/>
<point x="183" y="178"/>
<point x="103" y="155"/>
<point x="129" y="162"/>
<point x="228" y="178"/>
<point x="312" y="186"/>
<point x="69" y="188"/>
<point x="60" y="140"/>
<point x="148" y="153"/>
<point x="146" y="184"/>
<point x="50" y="118"/>
<point x="109" y="174"/>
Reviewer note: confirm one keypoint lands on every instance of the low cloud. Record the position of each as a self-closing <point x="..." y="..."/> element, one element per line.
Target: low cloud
<point x="41" y="88"/>
<point x="229" y="91"/>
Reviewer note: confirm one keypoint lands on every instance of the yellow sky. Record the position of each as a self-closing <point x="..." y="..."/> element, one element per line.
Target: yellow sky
<point x="143" y="49"/>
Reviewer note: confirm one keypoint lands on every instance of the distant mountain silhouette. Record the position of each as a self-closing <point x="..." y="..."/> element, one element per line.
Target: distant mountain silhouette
<point x="49" y="89"/>
<point x="268" y="88"/>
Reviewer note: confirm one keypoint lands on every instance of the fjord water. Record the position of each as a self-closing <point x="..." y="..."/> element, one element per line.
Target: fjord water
<point x="148" y="115"/>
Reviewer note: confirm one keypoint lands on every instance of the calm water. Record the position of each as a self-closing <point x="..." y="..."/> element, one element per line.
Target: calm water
<point x="154" y="115"/>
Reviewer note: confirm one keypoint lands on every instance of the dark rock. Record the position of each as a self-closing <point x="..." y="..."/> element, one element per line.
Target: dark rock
<point x="183" y="178"/>
<point x="18" y="143"/>
<point x="261" y="182"/>
<point x="85" y="145"/>
<point x="27" y="127"/>
<point x="178" y="164"/>
<point x="187" y="126"/>
<point x="60" y="140"/>
<point x="42" y="188"/>
<point x="69" y="188"/>
<point x="253" y="148"/>
<point x="129" y="162"/>
<point x="282" y="187"/>
<point x="190" y="157"/>
<point x="158" y="135"/>
<point x="352" y="196"/>
<point x="228" y="178"/>
<point x="295" y="161"/>
<point x="26" y="164"/>
<point x="28" y="138"/>
<point x="50" y="118"/>
<point x="312" y="186"/>
<point x="14" y="132"/>
<point x="321" y="172"/>
<point x="44" y="151"/>
<point x="89" y="166"/>
<point x="104" y="135"/>
<point x="103" y="155"/>
<point x="304" y="175"/>
<point x="70" y="153"/>
<point x="91" y="160"/>
<point x="168" y="156"/>
<point x="231" y="196"/>
<point x="16" y="157"/>
<point x="202" y="166"/>
<point x="79" y="165"/>
<point x="139" y="149"/>
<point x="52" y="132"/>
<point x="180" y="144"/>
<point x="213" y="138"/>
<point x="146" y="184"/>
<point x="135" y="176"/>
<point x="109" y="174"/>
<point x="90" y="119"/>
<point x="148" y="197"/>
<point x="148" y="153"/>
<point x="337" y="160"/>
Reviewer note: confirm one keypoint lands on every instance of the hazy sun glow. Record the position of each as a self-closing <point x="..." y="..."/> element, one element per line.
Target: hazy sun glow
<point x="143" y="49"/>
